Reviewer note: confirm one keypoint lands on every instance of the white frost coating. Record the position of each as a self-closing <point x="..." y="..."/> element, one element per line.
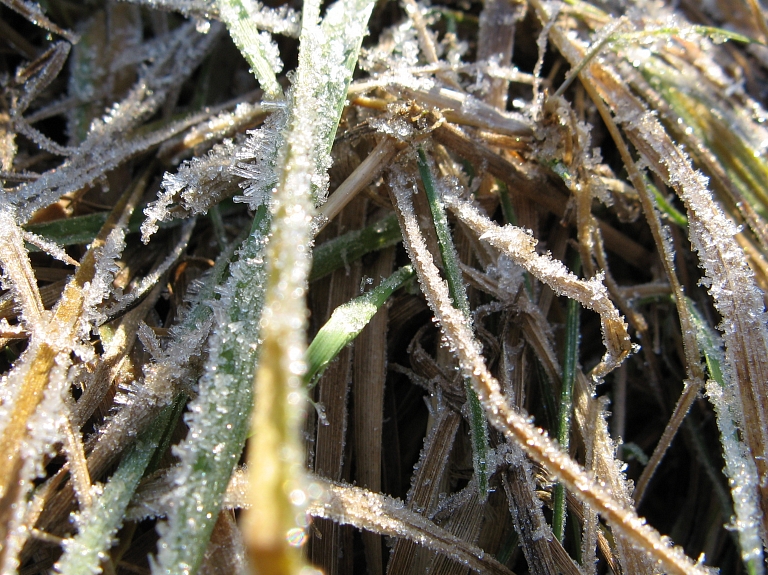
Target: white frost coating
<point x="520" y="245"/>
<point x="731" y="282"/>
<point x="387" y="516"/>
<point x="151" y="279"/>
<point x="17" y="274"/>
<point x="99" y="289"/>
<point x="44" y="431"/>
<point x="344" y="504"/>
<point x="282" y="20"/>
<point x="397" y="49"/>
<point x="218" y="416"/>
<point x="195" y="187"/>
<point x="51" y="248"/>
<point x="202" y="182"/>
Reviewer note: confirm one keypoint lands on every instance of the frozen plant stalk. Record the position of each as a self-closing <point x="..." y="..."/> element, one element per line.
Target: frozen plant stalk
<point x="328" y="52"/>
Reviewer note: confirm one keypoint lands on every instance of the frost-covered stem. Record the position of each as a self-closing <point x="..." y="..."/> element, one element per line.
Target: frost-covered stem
<point x="734" y="291"/>
<point x="253" y="45"/>
<point x="477" y="424"/>
<point x="17" y="274"/>
<point x="520" y="245"/>
<point x="380" y="514"/>
<point x="99" y="523"/>
<point x="57" y="336"/>
<point x="384" y="515"/>
<point x="275" y="452"/>
<point x="218" y="417"/>
<point x="161" y="379"/>
<point x="570" y="362"/>
<point x="517" y="428"/>
<point x="739" y="466"/>
<point x="661" y="236"/>
<point x="328" y="53"/>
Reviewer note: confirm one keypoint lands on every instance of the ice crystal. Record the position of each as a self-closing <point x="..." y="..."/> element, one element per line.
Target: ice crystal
<point x="257" y="158"/>
<point x="197" y="185"/>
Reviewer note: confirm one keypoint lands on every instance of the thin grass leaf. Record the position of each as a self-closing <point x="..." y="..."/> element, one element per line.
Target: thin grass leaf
<point x="327" y="55"/>
<point x="739" y="466"/>
<point x="257" y="47"/>
<point x="349" y="247"/>
<point x="516" y="427"/>
<point x="477" y="424"/>
<point x="348" y="320"/>
<point x="570" y="365"/>
<point x="84" y="553"/>
<point x="218" y="418"/>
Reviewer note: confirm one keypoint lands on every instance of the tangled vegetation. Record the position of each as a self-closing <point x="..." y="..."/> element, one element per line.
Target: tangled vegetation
<point x="383" y="286"/>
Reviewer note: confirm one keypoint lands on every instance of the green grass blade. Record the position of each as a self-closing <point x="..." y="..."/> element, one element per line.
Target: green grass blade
<point x="570" y="364"/>
<point x="80" y="230"/>
<point x="667" y="209"/>
<point x="218" y="418"/>
<point x="349" y="247"/>
<point x="254" y="46"/>
<point x="739" y="465"/>
<point x="348" y="320"/>
<point x="477" y="422"/>
<point x="84" y="553"/>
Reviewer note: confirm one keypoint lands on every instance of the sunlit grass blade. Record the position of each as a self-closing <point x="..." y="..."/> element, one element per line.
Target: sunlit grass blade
<point x="348" y="320"/>
<point x="274" y="526"/>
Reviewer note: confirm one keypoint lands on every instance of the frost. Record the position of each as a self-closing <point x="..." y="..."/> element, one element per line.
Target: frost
<point x="99" y="289"/>
<point x="175" y="59"/>
<point x="520" y="245"/>
<point x="17" y="274"/>
<point x="742" y="474"/>
<point x="257" y="160"/>
<point x="517" y="428"/>
<point x="197" y="185"/>
<point x="51" y="248"/>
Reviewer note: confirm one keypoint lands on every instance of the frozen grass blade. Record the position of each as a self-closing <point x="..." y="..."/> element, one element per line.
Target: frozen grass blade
<point x="570" y="365"/>
<point x="84" y="553"/>
<point x="61" y="334"/>
<point x="218" y="418"/>
<point x="519" y="245"/>
<point x="257" y="47"/>
<point x="477" y="424"/>
<point x="151" y="69"/>
<point x="348" y="320"/>
<point x="739" y="466"/>
<point x="327" y="56"/>
<point x="731" y="282"/>
<point x="515" y="426"/>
